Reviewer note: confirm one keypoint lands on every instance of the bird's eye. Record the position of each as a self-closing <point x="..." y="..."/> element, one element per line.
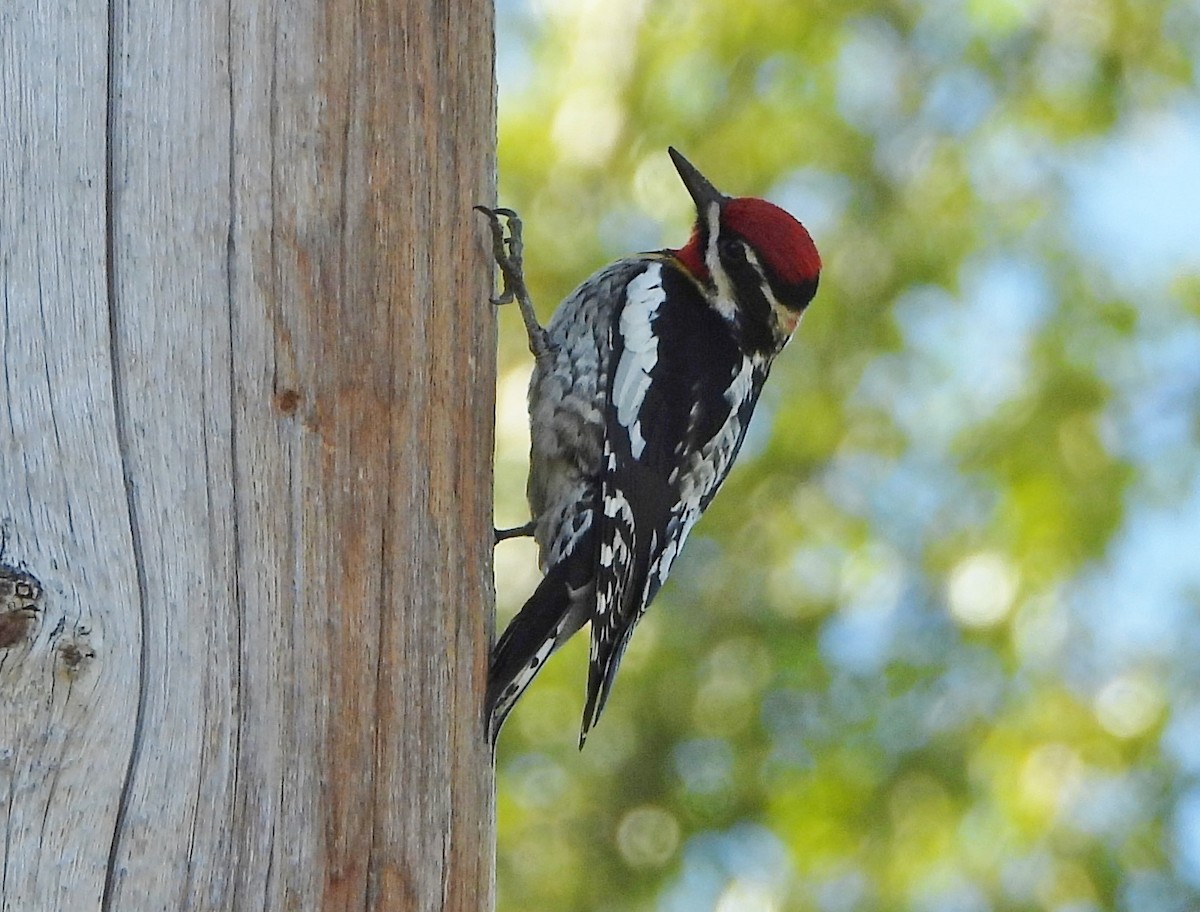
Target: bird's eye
<point x="731" y="248"/>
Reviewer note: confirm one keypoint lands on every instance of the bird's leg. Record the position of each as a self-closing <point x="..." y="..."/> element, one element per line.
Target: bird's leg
<point x="516" y="531"/>
<point x="507" y="252"/>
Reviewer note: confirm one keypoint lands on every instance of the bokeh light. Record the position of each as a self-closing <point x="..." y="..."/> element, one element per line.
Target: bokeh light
<point x="933" y="647"/>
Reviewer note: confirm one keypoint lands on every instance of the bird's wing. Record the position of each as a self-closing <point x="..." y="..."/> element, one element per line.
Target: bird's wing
<point x="680" y="395"/>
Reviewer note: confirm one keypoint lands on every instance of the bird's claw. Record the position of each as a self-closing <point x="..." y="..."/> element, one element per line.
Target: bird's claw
<point x="507" y="251"/>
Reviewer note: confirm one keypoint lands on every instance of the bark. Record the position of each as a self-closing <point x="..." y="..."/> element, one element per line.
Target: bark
<point x="245" y="455"/>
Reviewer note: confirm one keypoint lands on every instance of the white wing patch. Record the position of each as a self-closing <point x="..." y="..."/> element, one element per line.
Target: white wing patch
<point x="644" y="295"/>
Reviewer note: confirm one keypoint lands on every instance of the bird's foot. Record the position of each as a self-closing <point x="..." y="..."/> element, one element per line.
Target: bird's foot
<point x="516" y="531"/>
<point x="508" y="251"/>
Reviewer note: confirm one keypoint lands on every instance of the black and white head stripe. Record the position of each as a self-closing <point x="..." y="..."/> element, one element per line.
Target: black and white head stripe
<point x="764" y="309"/>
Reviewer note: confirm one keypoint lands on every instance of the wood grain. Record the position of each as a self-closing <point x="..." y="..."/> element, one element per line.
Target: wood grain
<point x="245" y="450"/>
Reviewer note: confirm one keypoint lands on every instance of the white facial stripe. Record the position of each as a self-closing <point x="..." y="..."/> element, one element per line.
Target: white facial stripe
<point x="723" y="301"/>
<point x="784" y="316"/>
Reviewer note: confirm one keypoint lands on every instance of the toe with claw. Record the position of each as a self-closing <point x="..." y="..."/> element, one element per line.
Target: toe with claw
<point x="508" y="253"/>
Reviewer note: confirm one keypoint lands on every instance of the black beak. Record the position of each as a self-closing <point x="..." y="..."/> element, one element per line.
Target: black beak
<point x="703" y="193"/>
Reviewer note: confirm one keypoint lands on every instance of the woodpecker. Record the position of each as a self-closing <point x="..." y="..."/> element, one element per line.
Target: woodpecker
<point x="643" y="386"/>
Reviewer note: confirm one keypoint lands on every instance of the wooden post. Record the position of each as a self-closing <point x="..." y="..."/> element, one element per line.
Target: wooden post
<point x="245" y="454"/>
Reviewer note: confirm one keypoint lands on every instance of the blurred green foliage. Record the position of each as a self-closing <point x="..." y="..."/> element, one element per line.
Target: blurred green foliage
<point x="884" y="675"/>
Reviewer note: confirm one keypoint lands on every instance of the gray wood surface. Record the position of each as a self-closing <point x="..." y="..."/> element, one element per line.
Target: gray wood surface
<point x="246" y="412"/>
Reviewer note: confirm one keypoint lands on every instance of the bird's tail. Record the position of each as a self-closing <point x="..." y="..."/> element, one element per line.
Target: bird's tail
<point x="551" y="615"/>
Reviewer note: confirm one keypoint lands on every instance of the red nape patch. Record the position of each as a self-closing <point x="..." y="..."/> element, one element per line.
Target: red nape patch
<point x="692" y="256"/>
<point x="778" y="238"/>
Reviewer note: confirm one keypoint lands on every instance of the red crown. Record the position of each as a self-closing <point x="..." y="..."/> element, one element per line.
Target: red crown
<point x="782" y="242"/>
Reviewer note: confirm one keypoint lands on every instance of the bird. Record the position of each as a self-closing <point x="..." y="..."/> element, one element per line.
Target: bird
<point x="643" y="385"/>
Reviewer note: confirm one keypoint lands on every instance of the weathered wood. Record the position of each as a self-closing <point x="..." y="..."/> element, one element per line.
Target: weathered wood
<point x="245" y="450"/>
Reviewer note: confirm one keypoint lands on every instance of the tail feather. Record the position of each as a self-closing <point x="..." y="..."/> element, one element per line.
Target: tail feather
<point x="601" y="674"/>
<point x="551" y="615"/>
